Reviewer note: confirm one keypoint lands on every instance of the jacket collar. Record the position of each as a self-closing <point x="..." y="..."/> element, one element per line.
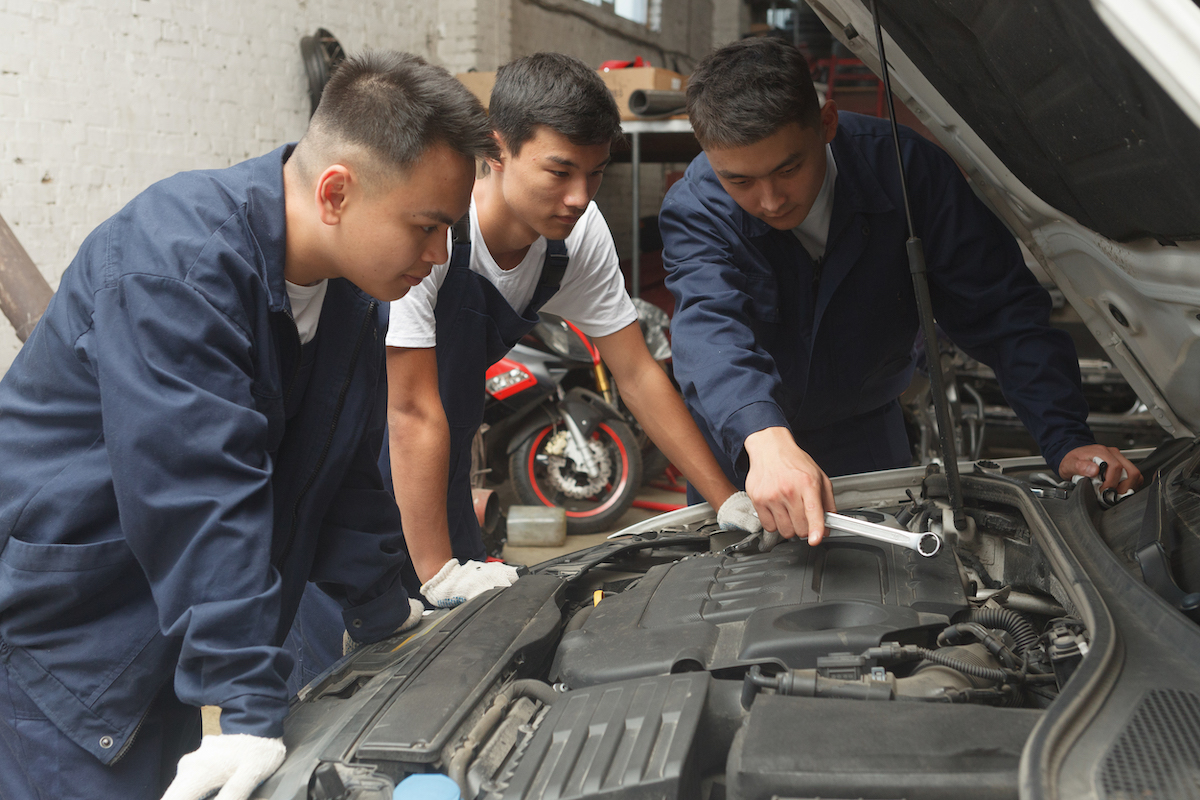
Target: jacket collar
<point x="267" y="219"/>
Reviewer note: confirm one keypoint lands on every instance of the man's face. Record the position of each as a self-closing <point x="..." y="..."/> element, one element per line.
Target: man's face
<point x="390" y="238"/>
<point x="549" y="184"/>
<point x="778" y="179"/>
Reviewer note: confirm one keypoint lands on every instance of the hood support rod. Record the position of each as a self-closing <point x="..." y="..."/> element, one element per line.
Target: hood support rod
<point x="920" y="279"/>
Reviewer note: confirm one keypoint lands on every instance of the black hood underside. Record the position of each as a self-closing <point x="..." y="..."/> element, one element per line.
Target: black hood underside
<point x="1063" y="104"/>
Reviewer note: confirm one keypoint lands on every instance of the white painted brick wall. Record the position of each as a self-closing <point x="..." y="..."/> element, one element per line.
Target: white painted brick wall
<point x="100" y="98"/>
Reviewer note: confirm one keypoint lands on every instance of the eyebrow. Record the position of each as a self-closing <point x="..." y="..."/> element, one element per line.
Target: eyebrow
<point x="436" y="215"/>
<point x="566" y="162"/>
<point x="785" y="163"/>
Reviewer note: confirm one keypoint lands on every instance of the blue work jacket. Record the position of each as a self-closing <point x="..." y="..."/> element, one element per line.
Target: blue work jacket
<point x="763" y="337"/>
<point x="166" y="485"/>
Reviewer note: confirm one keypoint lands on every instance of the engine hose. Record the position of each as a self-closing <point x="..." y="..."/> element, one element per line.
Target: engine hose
<point x="533" y="688"/>
<point x="1009" y="620"/>
<point x="987" y="673"/>
<point x="971" y="560"/>
<point x="986" y="636"/>
<point x="580" y="617"/>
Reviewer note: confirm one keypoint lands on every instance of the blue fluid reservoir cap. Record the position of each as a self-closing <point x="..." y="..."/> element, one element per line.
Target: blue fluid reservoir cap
<point x="427" y="787"/>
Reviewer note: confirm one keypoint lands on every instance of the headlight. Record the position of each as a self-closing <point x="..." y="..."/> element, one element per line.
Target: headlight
<point x="504" y="384"/>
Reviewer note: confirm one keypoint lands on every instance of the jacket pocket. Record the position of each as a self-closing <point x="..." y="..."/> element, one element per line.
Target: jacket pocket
<point x="94" y="557"/>
<point x="49" y="587"/>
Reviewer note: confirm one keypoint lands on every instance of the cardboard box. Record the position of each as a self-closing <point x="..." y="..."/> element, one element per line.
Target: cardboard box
<point x="480" y="84"/>
<point x="623" y="82"/>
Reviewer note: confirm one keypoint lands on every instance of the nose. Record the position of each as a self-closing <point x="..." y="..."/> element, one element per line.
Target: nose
<point x="437" y="252"/>
<point x="771" y="199"/>
<point x="578" y="195"/>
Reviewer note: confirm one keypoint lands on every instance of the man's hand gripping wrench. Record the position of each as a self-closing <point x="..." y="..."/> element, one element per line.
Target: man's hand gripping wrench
<point x="927" y="544"/>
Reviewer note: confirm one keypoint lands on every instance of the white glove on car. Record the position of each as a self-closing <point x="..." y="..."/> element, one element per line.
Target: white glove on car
<point x="1107" y="497"/>
<point x="737" y="514"/>
<point x="235" y="763"/>
<point x="457" y="583"/>
<point x="416" y="609"/>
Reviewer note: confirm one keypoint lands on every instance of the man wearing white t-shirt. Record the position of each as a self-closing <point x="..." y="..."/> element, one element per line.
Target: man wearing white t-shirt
<point x="554" y="121"/>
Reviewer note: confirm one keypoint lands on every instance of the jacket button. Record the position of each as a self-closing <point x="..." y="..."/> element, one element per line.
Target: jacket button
<point x="866" y="230"/>
<point x="106" y="742"/>
<point x="357" y="623"/>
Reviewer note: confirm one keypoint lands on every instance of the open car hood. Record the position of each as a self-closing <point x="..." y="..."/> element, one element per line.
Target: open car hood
<point x="1082" y="152"/>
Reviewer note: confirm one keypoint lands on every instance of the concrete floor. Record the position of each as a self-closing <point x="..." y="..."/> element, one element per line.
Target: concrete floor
<point x="529" y="556"/>
<point x="533" y="555"/>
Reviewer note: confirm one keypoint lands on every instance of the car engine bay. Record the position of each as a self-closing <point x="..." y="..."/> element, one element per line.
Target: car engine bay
<point x="661" y="665"/>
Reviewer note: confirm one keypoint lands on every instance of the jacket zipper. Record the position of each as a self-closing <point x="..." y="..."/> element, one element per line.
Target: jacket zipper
<point x="129" y="741"/>
<point x="287" y="394"/>
<point x="341" y="401"/>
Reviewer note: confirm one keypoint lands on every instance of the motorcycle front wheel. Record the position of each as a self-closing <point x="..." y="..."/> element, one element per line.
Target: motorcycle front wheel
<point x="543" y="474"/>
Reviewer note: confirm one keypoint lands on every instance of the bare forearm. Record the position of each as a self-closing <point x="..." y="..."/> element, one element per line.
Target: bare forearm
<point x="661" y="413"/>
<point x="420" y="448"/>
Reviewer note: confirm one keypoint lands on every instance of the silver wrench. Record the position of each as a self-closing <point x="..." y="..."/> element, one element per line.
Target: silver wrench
<point x="927" y="544"/>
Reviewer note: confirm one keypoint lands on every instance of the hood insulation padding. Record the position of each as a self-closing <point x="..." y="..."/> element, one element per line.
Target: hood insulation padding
<point x="1059" y="100"/>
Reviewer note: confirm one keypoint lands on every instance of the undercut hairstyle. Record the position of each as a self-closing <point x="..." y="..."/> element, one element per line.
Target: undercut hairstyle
<point x="383" y="110"/>
<point x="555" y="90"/>
<point x="746" y="91"/>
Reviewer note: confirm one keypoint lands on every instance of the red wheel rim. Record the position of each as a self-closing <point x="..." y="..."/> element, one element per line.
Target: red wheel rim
<point x="612" y="498"/>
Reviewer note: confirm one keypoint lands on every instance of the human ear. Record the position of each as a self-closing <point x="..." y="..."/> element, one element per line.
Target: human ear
<point x="829" y="120"/>
<point x="497" y="164"/>
<point x="332" y="192"/>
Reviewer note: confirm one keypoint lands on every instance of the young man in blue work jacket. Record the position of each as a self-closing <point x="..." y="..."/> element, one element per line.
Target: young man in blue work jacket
<point x="795" y="312"/>
<point x="191" y="434"/>
<point x="554" y="122"/>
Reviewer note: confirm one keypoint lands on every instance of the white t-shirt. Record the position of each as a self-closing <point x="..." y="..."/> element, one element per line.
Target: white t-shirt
<point x="592" y="293"/>
<point x="306" y="307"/>
<point x="813" y="232"/>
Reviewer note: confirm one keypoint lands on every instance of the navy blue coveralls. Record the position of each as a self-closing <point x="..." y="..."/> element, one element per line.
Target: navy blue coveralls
<point x="763" y="337"/>
<point x="476" y="327"/>
<point x="174" y="469"/>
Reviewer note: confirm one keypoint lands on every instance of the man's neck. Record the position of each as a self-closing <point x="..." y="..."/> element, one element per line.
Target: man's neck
<point x="506" y="235"/>
<point x="301" y="264"/>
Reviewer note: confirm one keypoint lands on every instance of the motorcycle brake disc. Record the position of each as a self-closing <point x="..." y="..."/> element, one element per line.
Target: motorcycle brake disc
<point x="574" y="483"/>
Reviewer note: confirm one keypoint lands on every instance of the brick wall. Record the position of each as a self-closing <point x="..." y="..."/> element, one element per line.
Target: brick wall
<point x="100" y="98"/>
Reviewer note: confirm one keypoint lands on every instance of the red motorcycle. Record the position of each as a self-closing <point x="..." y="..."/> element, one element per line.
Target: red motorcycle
<point x="553" y="427"/>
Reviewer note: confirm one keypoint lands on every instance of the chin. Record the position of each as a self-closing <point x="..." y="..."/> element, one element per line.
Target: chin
<point x="392" y="294"/>
<point x="785" y="222"/>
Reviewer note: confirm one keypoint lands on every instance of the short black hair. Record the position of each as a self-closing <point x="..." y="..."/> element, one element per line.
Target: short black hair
<point x="555" y="90"/>
<point x="395" y="106"/>
<point x="747" y="90"/>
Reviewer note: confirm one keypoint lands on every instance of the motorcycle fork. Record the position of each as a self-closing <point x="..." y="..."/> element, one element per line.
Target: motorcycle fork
<point x="603" y="385"/>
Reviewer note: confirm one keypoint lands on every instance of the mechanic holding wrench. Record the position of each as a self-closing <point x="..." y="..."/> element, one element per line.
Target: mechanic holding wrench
<point x="795" y="313"/>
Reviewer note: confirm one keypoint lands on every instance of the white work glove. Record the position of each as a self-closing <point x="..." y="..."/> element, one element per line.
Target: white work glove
<point x="416" y="609"/>
<point x="235" y="763"/>
<point x="457" y="583"/>
<point x="1107" y="497"/>
<point x="737" y="514"/>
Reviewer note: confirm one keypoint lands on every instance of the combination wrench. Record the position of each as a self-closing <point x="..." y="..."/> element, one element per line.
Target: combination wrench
<point x="927" y="544"/>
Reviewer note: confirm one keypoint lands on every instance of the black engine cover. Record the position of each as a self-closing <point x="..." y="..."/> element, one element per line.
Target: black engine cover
<point x="788" y="607"/>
